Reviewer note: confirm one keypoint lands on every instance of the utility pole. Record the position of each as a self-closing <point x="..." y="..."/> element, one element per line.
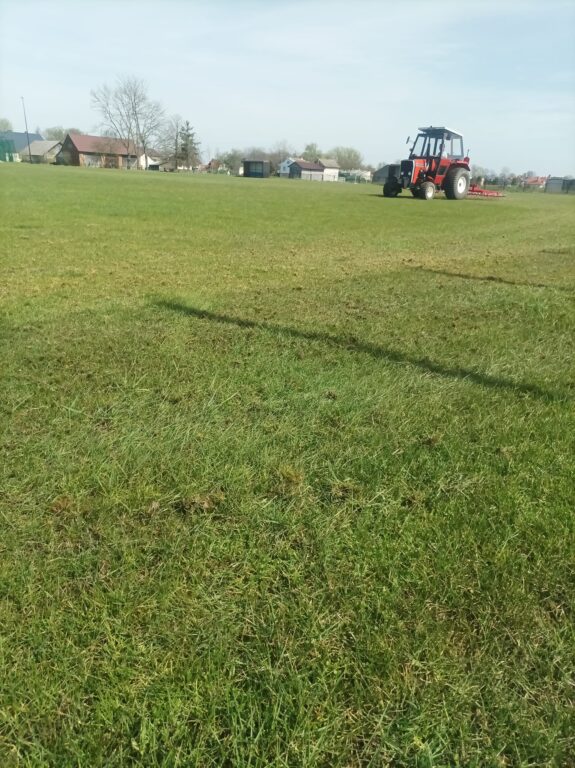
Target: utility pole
<point x="27" y="136"/>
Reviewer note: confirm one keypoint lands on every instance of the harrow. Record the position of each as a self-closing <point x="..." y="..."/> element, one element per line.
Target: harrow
<point x="480" y="192"/>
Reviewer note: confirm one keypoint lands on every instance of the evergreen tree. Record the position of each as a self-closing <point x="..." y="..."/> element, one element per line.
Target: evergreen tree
<point x="189" y="149"/>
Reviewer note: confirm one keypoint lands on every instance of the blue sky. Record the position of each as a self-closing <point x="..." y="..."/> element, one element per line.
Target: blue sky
<point x="363" y="73"/>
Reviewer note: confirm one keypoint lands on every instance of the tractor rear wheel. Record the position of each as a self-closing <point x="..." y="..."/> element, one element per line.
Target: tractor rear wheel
<point x="456" y="184"/>
<point x="427" y="190"/>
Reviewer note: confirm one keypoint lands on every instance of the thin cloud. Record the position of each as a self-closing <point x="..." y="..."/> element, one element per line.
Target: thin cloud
<point x="364" y="74"/>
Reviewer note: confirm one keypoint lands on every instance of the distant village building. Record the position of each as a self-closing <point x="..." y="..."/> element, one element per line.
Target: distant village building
<point x="323" y="169"/>
<point x="255" y="168"/>
<point x="96" y="152"/>
<point x="534" y="182"/>
<point x="559" y="184"/>
<point x="151" y="161"/>
<point x="304" y="169"/>
<point x="216" y="166"/>
<point x="8" y="152"/>
<point x="41" y="151"/>
<point x="284" y="166"/>
<point x="330" y="168"/>
<point x="357" y="176"/>
<point x="19" y="141"/>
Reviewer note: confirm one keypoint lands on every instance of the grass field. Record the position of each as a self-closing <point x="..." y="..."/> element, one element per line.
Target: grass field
<point x="286" y="474"/>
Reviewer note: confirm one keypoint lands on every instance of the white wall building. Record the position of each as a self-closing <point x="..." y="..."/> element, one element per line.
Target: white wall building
<point x="330" y="168"/>
<point x="324" y="169"/>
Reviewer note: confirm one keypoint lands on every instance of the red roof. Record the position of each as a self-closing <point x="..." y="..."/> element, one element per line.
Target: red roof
<point x="100" y="145"/>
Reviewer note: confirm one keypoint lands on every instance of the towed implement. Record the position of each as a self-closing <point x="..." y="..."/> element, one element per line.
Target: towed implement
<point x="476" y="191"/>
<point x="436" y="162"/>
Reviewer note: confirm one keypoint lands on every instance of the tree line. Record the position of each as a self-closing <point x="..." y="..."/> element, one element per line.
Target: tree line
<point x="129" y="114"/>
<point x="347" y="158"/>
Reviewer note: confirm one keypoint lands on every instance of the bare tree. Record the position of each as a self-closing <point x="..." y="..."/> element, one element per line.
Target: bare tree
<point x="169" y="139"/>
<point x="147" y="116"/>
<point x="278" y="153"/>
<point x="5" y="124"/>
<point x="116" y="114"/>
<point x="149" y="126"/>
<point x="129" y="114"/>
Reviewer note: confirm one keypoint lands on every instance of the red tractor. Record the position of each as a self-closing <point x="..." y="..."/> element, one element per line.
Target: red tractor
<point x="436" y="162"/>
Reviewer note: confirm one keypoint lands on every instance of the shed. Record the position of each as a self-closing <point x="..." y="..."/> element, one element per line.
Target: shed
<point x="560" y="184"/>
<point x="41" y="151"/>
<point x="554" y="184"/>
<point x="304" y="169"/>
<point x="256" y="168"/>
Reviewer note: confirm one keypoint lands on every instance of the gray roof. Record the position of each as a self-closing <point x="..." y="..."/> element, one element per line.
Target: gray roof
<point x="439" y="131"/>
<point x="328" y="162"/>
<point x="41" y="148"/>
<point x="20" y="139"/>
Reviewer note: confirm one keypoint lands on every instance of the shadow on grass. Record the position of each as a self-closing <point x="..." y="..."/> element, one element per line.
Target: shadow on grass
<point x="491" y="279"/>
<point x="376" y="351"/>
<point x="407" y="196"/>
<point x="399" y="197"/>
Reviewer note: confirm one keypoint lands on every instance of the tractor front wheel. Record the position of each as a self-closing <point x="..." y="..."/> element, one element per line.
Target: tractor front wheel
<point x="427" y="190"/>
<point x="456" y="184"/>
<point x="392" y="187"/>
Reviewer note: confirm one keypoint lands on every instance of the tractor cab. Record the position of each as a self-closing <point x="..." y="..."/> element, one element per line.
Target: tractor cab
<point x="436" y="162"/>
<point x="437" y="142"/>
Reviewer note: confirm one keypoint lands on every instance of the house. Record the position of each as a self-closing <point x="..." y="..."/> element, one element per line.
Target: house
<point x="255" y="168"/>
<point x="534" y="182"/>
<point x="96" y="152"/>
<point x="304" y="169"/>
<point x="150" y="161"/>
<point x="216" y="166"/>
<point x="20" y="140"/>
<point x="41" y="151"/>
<point x="330" y="168"/>
<point x="284" y="166"/>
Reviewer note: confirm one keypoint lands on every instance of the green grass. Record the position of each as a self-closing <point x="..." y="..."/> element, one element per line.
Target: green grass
<point x="286" y="474"/>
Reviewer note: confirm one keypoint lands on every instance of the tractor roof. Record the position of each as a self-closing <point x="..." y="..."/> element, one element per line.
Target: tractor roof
<point x="437" y="132"/>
